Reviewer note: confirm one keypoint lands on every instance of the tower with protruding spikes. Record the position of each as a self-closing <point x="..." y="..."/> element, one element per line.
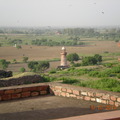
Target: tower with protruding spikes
<point x="63" y="57"/>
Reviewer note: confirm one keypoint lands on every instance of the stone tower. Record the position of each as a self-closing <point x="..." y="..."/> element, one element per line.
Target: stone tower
<point x="63" y="57"/>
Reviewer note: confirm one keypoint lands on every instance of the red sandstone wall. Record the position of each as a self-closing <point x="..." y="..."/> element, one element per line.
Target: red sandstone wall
<point x="23" y="92"/>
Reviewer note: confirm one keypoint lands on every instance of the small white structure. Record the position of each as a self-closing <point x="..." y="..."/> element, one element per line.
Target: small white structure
<point x="15" y="45"/>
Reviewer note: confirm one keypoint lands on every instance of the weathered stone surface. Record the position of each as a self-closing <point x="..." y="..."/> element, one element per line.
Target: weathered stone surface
<point x="6" y="97"/>
<point x="76" y="92"/>
<point x="118" y="100"/>
<point x="56" y="93"/>
<point x="43" y="92"/>
<point x="9" y="91"/>
<point x="91" y="94"/>
<point x="16" y="96"/>
<point x="63" y="94"/>
<point x="19" y="90"/>
<point x="34" y="94"/>
<point x="106" y="97"/>
<point x="92" y="99"/>
<point x="72" y="95"/>
<point x="64" y="89"/>
<point x="26" y="89"/>
<point x="117" y="104"/>
<point x="98" y="100"/>
<point x="99" y="94"/>
<point x="83" y="93"/>
<point x="80" y="97"/>
<point x="111" y="102"/>
<point x="87" y="98"/>
<point x="67" y="95"/>
<point x="43" y="88"/>
<point x="1" y="92"/>
<point x="25" y="94"/>
<point x="104" y="101"/>
<point x="113" y="98"/>
<point x="69" y="91"/>
<point x="58" y="88"/>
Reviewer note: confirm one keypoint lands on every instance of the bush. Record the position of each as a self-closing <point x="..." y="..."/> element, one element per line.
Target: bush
<point x="69" y="80"/>
<point x="73" y="57"/>
<point x="118" y="76"/>
<point x="4" y="64"/>
<point x="108" y="65"/>
<point x="25" y="59"/>
<point x="18" y="47"/>
<point x="52" y="71"/>
<point x="48" y="79"/>
<point x="22" y="69"/>
<point x="76" y="64"/>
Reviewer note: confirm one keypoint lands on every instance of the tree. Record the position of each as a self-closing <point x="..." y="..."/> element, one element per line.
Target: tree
<point x="25" y="59"/>
<point x="14" y="61"/>
<point x="42" y="66"/>
<point x="22" y="69"/>
<point x="32" y="64"/>
<point x="38" y="66"/>
<point x="92" y="60"/>
<point x="98" y="57"/>
<point x="73" y="57"/>
<point x="4" y="64"/>
<point x="89" y="61"/>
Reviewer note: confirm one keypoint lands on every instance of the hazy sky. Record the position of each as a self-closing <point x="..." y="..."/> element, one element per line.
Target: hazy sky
<point x="59" y="13"/>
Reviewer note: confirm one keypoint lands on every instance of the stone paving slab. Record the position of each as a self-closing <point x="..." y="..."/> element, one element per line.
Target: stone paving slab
<point x="46" y="108"/>
<point x="112" y="115"/>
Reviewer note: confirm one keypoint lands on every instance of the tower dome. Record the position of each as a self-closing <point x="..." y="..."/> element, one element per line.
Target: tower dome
<point x="63" y="48"/>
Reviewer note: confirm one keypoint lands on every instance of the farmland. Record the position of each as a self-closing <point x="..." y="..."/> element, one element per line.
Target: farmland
<point x="47" y="47"/>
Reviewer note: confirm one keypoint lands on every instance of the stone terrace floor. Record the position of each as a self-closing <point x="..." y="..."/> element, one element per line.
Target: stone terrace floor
<point x="46" y="108"/>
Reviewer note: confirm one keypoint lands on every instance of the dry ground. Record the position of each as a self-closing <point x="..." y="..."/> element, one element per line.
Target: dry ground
<point x="48" y="53"/>
<point x="45" y="52"/>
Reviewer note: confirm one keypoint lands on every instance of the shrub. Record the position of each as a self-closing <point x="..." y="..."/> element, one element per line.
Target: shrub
<point x="108" y="65"/>
<point x="18" y="47"/>
<point x="52" y="71"/>
<point x="25" y="59"/>
<point x="48" y="79"/>
<point x="93" y="73"/>
<point x="4" y="64"/>
<point x="118" y="76"/>
<point x="69" y="80"/>
<point x="76" y="64"/>
<point x="73" y="57"/>
<point x="22" y="69"/>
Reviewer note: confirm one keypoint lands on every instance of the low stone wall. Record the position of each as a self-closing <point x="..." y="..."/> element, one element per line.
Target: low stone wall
<point x="17" y="92"/>
<point x="100" y="96"/>
<point x="58" y="89"/>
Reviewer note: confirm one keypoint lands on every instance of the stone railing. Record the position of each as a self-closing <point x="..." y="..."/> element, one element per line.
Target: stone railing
<point x="58" y="89"/>
<point x="23" y="91"/>
<point x="88" y="94"/>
